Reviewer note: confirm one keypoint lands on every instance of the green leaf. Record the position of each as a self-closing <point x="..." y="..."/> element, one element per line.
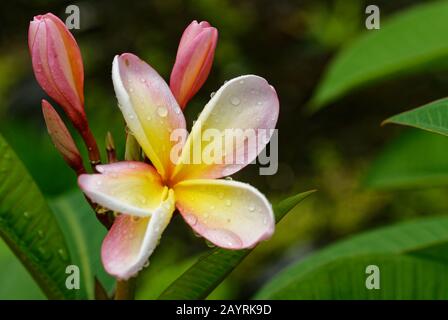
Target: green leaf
<point x="84" y="235"/>
<point x="16" y="282"/>
<point x="406" y="43"/>
<point x="29" y="228"/>
<point x="211" y="269"/>
<point x="431" y="117"/>
<point x="414" y="159"/>
<point x="412" y="259"/>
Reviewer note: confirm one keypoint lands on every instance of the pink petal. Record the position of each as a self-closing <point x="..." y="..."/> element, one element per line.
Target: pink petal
<point x="131" y="241"/>
<point x="149" y="108"/>
<point x="132" y="187"/>
<point x="248" y="104"/>
<point x="230" y="214"/>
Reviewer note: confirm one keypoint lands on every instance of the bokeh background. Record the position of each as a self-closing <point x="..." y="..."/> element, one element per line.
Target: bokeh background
<point x="288" y="42"/>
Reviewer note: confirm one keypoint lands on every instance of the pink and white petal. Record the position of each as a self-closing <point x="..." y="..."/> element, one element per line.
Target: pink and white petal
<point x="132" y="187"/>
<point x="246" y="107"/>
<point x="230" y="214"/>
<point x="149" y="108"/>
<point x="131" y="241"/>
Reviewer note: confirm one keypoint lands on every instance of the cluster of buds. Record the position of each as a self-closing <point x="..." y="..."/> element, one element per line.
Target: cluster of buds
<point x="58" y="67"/>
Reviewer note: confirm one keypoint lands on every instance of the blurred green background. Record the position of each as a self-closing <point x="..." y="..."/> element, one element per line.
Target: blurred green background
<point x="290" y="43"/>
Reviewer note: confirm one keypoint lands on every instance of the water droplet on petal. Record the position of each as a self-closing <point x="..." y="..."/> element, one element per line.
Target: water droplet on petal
<point x="251" y="208"/>
<point x="162" y="111"/>
<point x="191" y="219"/>
<point x="148" y="118"/>
<point x="259" y="103"/>
<point x="235" y="101"/>
<point x="229" y="178"/>
<point x="212" y="94"/>
<point x="146" y="265"/>
<point x="241" y="81"/>
<point x="228" y="203"/>
<point x="221" y="195"/>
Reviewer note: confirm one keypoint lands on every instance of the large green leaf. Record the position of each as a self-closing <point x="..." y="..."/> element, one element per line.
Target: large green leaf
<point x="29" y="228"/>
<point x="16" y="282"/>
<point x="412" y="258"/>
<point x="406" y="43"/>
<point x="212" y="268"/>
<point x="84" y="235"/>
<point x="432" y="117"/>
<point x="414" y="159"/>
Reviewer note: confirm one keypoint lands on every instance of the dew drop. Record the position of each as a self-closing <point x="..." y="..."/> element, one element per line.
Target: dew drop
<point x="142" y="80"/>
<point x="235" y="101"/>
<point x="62" y="254"/>
<point x="162" y="111"/>
<point x="241" y="81"/>
<point x="191" y="219"/>
<point x="146" y="265"/>
<point x="210" y="244"/>
<point x="251" y="208"/>
<point x="221" y="195"/>
<point x="212" y="94"/>
<point x="228" y="203"/>
<point x="26" y="214"/>
<point x="212" y="207"/>
<point x="148" y="118"/>
<point x="259" y="103"/>
<point x="228" y="178"/>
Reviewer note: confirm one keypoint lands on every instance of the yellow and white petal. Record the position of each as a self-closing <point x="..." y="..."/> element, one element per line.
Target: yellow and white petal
<point x="242" y="106"/>
<point x="131" y="241"/>
<point x="149" y="108"/>
<point x="230" y="214"/>
<point x="132" y="187"/>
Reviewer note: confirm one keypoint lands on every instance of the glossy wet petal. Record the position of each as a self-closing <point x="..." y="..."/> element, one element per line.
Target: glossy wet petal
<point x="230" y="214"/>
<point x="132" y="187"/>
<point x="242" y="116"/>
<point x="131" y="241"/>
<point x="149" y="108"/>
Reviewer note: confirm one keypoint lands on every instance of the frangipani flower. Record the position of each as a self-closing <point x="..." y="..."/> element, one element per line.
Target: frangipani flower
<point x="228" y="213"/>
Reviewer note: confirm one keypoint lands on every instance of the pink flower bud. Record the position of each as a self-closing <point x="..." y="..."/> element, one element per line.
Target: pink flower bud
<point x="193" y="61"/>
<point x="57" y="65"/>
<point x="61" y="138"/>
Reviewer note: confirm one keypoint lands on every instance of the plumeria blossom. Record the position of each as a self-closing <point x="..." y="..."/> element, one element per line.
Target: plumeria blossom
<point x="230" y="214"/>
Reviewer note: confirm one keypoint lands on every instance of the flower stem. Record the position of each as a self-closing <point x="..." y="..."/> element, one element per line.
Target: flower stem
<point x="92" y="147"/>
<point x="125" y="289"/>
